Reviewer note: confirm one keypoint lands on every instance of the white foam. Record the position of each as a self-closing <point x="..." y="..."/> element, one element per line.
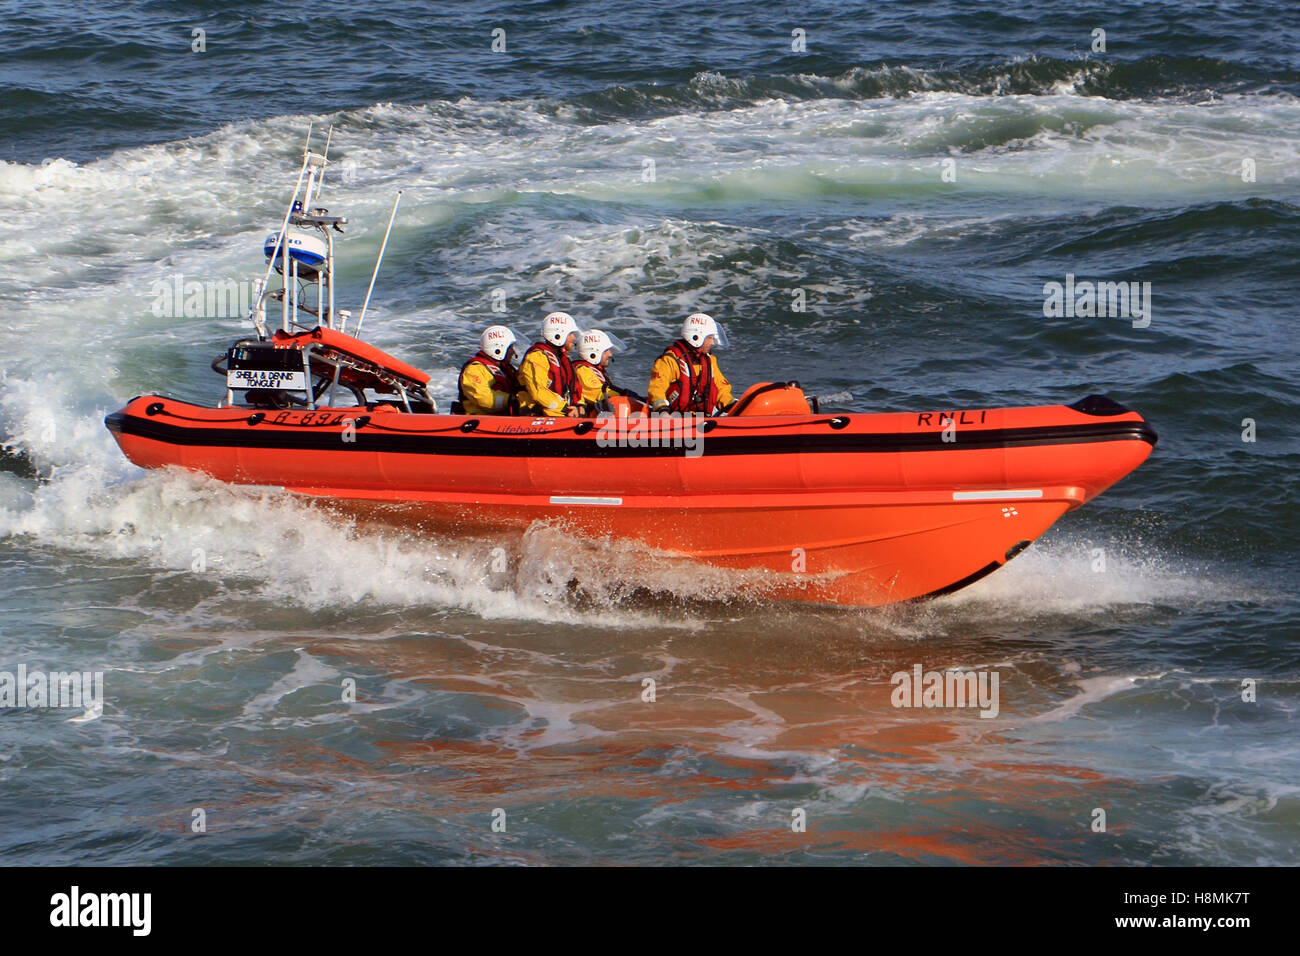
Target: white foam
<point x="1057" y="575"/>
<point x="1091" y="690"/>
<point x="307" y="671"/>
<point x="162" y="201"/>
<point x="306" y="556"/>
<point x="15" y="493"/>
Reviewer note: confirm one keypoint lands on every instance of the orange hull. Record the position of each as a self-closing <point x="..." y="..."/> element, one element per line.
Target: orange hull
<point x="861" y="509"/>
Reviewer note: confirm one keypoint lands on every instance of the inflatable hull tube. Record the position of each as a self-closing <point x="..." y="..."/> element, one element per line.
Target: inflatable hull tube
<point x="862" y="509"/>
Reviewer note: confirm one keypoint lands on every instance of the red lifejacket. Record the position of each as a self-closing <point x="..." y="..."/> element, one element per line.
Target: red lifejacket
<point x="561" y="380"/>
<point x="692" y="392"/>
<point x="503" y="375"/>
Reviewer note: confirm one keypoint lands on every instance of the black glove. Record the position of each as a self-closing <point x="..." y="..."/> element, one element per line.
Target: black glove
<point x="628" y="393"/>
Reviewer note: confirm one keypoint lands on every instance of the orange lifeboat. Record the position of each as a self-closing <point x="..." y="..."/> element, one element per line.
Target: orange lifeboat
<point x="849" y="508"/>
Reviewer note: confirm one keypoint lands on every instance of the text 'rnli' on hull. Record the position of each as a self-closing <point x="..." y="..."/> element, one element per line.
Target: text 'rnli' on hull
<point x="861" y="509"/>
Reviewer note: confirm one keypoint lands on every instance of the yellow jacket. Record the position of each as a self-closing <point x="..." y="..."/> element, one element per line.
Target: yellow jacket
<point x="482" y="393"/>
<point x="535" y="394"/>
<point x="667" y="372"/>
<point x="592" y="387"/>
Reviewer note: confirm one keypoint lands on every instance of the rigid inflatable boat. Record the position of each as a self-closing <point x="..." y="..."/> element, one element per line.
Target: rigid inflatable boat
<point x="849" y="508"/>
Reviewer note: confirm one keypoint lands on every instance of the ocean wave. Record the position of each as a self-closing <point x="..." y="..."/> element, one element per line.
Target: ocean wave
<point x="1190" y="78"/>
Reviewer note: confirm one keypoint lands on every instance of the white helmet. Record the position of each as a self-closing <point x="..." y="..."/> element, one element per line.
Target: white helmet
<point x="557" y="327"/>
<point x="496" y="341"/>
<point x="594" y="344"/>
<point x="699" y="327"/>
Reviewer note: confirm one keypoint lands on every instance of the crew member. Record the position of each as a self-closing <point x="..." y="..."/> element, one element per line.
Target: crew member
<point x="595" y="352"/>
<point x="546" y="380"/>
<point x="488" y="381"/>
<point x="686" y="378"/>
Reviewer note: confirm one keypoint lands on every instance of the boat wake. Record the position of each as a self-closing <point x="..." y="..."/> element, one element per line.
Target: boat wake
<point x="1041" y="132"/>
<point x="266" y="545"/>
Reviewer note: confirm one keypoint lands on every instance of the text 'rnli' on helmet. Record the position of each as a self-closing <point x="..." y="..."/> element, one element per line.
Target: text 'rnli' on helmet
<point x="594" y="344"/>
<point x="496" y="341"/>
<point x="698" y="327"/>
<point x="557" y="327"/>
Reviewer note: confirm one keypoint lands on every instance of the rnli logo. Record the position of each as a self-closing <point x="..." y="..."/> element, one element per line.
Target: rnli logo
<point x="948" y="419"/>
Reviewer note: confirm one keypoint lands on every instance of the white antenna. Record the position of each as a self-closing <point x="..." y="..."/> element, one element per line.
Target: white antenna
<point x="325" y="158"/>
<point x="374" y="275"/>
<point x="284" y="240"/>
